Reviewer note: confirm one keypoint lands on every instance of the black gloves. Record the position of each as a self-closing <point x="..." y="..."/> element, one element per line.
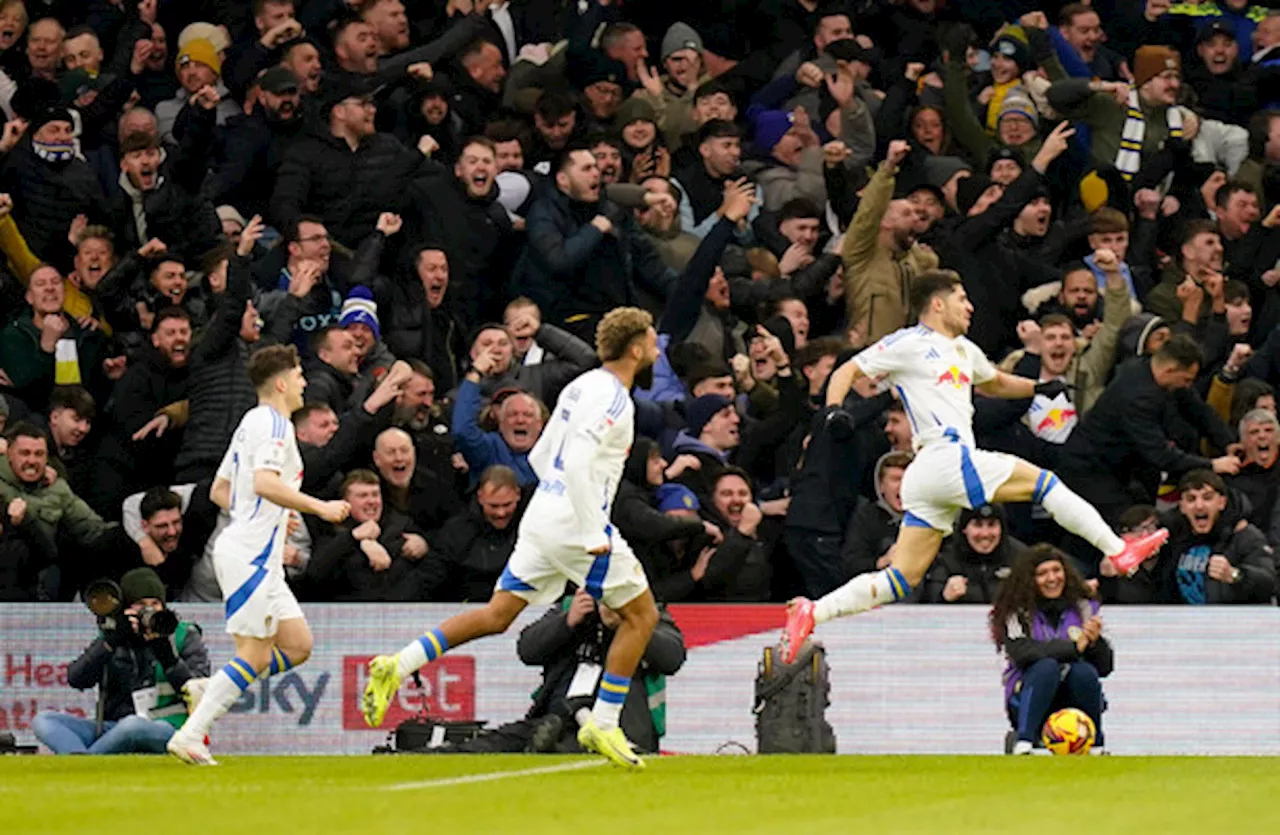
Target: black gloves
<point x="840" y="424"/>
<point x="1052" y="388"/>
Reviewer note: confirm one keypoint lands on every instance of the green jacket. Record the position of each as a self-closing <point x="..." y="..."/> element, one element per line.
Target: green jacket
<point x="32" y="370"/>
<point x="54" y="508"/>
<point x="1105" y="118"/>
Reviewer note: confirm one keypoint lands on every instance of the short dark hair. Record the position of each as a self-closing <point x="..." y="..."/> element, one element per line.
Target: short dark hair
<point x="498" y="475"/>
<point x="1222" y="196"/>
<point x="1192" y="228"/>
<point x="799" y="207"/>
<point x="308" y="409"/>
<point x="932" y="283"/>
<point x="1068" y="13"/>
<point x="138" y="141"/>
<point x="170" y="312"/>
<point x="1056" y="320"/>
<point x="507" y="130"/>
<point x="320" y="339"/>
<point x="718" y="129"/>
<point x="157" y="499"/>
<point x="711" y="88"/>
<point x="472" y="49"/>
<point x="1199" y="479"/>
<point x="602" y="138"/>
<point x="77" y="31"/>
<point x="615" y="32"/>
<point x="213" y="258"/>
<point x="259" y="6"/>
<point x="732" y="470"/>
<point x="26" y="429"/>
<point x="292" y="233"/>
<point x="1235" y="290"/>
<point x="554" y="105"/>
<point x="1132" y="518"/>
<point x="360" y="476"/>
<point x="267" y="362"/>
<point x="75" y="398"/>
<point x="816" y="349"/>
<point x="565" y="155"/>
<point x="1181" y="350"/>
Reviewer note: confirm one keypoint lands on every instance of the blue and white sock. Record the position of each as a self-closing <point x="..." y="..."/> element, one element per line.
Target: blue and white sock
<point x="610" y="698"/>
<point x="225" y="687"/>
<point x="279" y="662"/>
<point x="422" y="652"/>
<point x="862" y="593"/>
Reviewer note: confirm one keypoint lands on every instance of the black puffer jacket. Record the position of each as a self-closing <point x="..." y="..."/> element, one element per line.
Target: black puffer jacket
<point x="413" y="330"/>
<point x="219" y="392"/>
<point x="467" y="556"/>
<point x="253" y="149"/>
<point x="321" y="175"/>
<point x="47" y="196"/>
<point x="132" y="666"/>
<point x="476" y="235"/>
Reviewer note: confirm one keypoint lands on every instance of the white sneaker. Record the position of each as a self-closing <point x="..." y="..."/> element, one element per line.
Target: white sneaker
<point x="190" y="751"/>
<point x="193" y="692"/>
<point x="1022" y="747"/>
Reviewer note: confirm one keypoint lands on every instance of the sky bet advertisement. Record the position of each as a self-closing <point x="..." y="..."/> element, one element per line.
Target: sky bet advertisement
<point x="905" y="679"/>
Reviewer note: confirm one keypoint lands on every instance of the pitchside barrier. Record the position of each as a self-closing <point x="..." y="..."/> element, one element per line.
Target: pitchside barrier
<point x="907" y="679"/>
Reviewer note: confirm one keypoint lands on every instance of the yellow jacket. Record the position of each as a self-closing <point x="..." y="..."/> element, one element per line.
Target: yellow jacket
<point x="23" y="262"/>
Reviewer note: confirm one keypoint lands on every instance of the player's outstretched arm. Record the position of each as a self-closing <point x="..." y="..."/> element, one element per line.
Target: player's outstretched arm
<point x="841" y="381"/>
<point x="269" y="485"/>
<point x="1011" y="387"/>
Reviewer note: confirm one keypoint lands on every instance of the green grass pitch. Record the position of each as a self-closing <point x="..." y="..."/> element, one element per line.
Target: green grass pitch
<point x="704" y="795"/>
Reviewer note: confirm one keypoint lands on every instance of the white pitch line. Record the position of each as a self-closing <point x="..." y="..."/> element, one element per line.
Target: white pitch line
<point x="492" y="775"/>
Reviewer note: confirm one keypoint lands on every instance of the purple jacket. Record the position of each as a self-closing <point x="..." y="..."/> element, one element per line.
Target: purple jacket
<point x="1069" y="627"/>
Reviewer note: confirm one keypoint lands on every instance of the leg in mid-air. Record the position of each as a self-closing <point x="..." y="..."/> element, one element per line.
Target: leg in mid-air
<point x="254" y="658"/>
<point x="601" y="732"/>
<point x="928" y="518"/>
<point x="387" y="671"/>
<point x="1029" y="483"/>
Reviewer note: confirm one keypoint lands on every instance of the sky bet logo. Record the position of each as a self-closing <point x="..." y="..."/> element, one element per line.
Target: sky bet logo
<point x="448" y="692"/>
<point x="286" y="693"/>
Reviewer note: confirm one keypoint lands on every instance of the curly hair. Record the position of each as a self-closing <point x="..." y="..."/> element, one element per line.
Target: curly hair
<point x="1018" y="595"/>
<point x="617" y="330"/>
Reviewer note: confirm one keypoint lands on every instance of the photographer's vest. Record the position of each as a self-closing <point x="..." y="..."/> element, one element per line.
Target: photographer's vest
<point x="170" y="706"/>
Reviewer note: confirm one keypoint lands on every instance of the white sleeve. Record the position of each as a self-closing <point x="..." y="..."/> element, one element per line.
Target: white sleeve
<point x="884" y="357"/>
<point x="266" y="442"/>
<point x="983" y="370"/>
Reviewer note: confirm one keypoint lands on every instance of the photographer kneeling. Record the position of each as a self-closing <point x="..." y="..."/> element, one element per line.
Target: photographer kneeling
<point x="141" y="661"/>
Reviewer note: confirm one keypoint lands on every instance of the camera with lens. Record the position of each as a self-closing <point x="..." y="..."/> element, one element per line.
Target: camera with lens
<point x="105" y="599"/>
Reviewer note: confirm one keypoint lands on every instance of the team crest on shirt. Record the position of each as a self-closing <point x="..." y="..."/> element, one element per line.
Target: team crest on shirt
<point x="960" y="352"/>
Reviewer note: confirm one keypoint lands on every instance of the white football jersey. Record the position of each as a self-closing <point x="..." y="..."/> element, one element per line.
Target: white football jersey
<point x="934" y="378"/>
<point x="264" y="440"/>
<point x="579" y="460"/>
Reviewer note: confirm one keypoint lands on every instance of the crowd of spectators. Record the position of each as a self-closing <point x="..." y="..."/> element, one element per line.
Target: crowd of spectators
<point x="437" y="201"/>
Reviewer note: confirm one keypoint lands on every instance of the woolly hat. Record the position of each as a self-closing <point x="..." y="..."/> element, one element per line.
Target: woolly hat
<point x="675" y="497"/>
<point x="998" y="153"/>
<point x="140" y="583"/>
<point x="680" y="36"/>
<point x="1017" y="102"/>
<point x="201" y="51"/>
<point x="1150" y="61"/>
<point x="50" y="114"/>
<point x="360" y="309"/>
<point x="635" y="110"/>
<point x="215" y="35"/>
<point x="227" y="212"/>
<point x="768" y="127"/>
<point x="723" y="39"/>
<point x="698" y="413"/>
<point x="1014" y="49"/>
<point x="938" y="170"/>
<point x="986" y="511"/>
<point x="969" y="190"/>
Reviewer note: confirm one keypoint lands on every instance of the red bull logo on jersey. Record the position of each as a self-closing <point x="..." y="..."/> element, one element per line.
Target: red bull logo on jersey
<point x="1055" y="419"/>
<point x="953" y="377"/>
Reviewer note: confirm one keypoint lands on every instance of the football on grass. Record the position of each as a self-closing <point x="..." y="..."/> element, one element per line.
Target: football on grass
<point x="1069" y="731"/>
